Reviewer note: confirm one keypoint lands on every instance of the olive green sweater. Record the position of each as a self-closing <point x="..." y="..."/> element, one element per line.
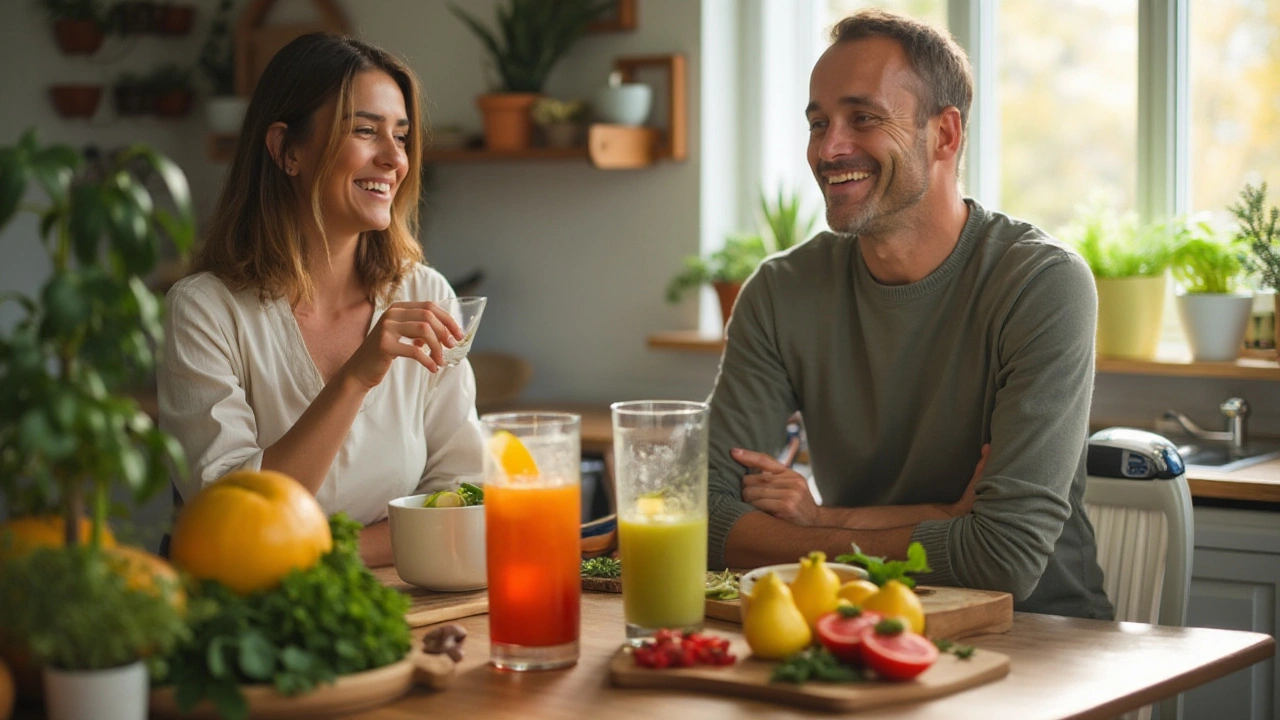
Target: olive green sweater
<point x="900" y="386"/>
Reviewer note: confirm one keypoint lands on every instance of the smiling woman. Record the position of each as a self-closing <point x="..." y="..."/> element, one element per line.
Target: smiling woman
<point x="305" y="339"/>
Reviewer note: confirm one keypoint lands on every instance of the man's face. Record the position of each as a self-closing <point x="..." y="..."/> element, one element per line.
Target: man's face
<point x="870" y="159"/>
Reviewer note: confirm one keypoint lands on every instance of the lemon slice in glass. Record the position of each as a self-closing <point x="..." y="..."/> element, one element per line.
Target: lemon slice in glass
<point x="444" y="499"/>
<point x="512" y="456"/>
<point x="650" y="505"/>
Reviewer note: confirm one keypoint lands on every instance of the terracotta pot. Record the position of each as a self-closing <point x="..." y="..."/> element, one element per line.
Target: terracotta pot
<point x="172" y="104"/>
<point x="77" y="37"/>
<point x="507" y="123"/>
<point x="563" y="134"/>
<point x="175" y="19"/>
<point x="727" y="292"/>
<point x="75" y="101"/>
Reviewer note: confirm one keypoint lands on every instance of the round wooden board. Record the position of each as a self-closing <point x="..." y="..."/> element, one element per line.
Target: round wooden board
<point x="350" y="694"/>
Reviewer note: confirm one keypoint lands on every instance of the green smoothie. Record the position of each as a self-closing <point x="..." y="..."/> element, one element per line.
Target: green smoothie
<point x="664" y="571"/>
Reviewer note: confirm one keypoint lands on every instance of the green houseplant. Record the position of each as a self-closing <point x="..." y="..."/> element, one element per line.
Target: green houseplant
<point x="1130" y="260"/>
<point x="727" y="268"/>
<point x="1259" y="230"/>
<point x="171" y="90"/>
<point x="529" y="38"/>
<point x="70" y="433"/>
<point x="78" y="25"/>
<point x="1213" y="312"/>
<point x="217" y="60"/>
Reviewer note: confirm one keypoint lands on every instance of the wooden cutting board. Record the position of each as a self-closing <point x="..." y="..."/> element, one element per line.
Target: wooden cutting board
<point x="950" y="613"/>
<point x="749" y="677"/>
<point x="427" y="607"/>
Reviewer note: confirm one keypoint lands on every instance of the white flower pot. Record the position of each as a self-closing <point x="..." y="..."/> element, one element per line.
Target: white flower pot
<point x="625" y="104"/>
<point x="116" y="694"/>
<point x="1215" y="324"/>
<point x="226" y="113"/>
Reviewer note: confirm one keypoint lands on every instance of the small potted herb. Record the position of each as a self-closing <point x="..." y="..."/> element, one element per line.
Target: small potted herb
<point x="171" y="91"/>
<point x="531" y="36"/>
<point x="132" y="94"/>
<point x="78" y="25"/>
<point x="1130" y="260"/>
<point x="560" y="120"/>
<point x="175" y="19"/>
<point x="1213" y="310"/>
<point x="1259" y="230"/>
<point x="727" y="268"/>
<point x="225" y="109"/>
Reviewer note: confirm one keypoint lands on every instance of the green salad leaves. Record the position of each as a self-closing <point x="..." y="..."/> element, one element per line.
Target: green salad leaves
<point x="880" y="571"/>
<point x="333" y="619"/>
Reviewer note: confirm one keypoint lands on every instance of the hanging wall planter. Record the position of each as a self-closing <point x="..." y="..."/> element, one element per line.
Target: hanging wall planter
<point x="75" y="101"/>
<point x="77" y="37"/>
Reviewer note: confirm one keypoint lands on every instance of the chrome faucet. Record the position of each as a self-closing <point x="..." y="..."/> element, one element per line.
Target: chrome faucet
<point x="1235" y="409"/>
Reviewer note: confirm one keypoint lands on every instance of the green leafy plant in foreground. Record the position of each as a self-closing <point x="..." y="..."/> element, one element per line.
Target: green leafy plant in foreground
<point x="333" y="619"/>
<point x="880" y="570"/>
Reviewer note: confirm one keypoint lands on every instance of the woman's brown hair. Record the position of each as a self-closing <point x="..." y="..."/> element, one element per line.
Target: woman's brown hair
<point x="255" y="236"/>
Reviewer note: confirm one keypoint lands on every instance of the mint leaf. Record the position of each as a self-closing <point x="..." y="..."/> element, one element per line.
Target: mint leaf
<point x="880" y="570"/>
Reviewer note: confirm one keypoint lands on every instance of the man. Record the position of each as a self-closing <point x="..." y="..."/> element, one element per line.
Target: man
<point x="941" y="353"/>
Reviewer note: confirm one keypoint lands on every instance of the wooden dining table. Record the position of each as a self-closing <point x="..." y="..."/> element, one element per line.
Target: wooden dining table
<point x="1060" y="668"/>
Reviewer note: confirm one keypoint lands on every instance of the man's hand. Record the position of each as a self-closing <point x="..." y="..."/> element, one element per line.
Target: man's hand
<point x="777" y="489"/>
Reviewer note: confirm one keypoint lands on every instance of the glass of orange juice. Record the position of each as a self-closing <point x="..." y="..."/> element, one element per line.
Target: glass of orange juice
<point x="532" y="499"/>
<point x="660" y="465"/>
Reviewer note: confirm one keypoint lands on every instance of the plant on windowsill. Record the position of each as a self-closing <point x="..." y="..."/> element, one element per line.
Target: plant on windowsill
<point x="1130" y="260"/>
<point x="69" y="433"/>
<point x="531" y="36"/>
<point x="727" y="268"/>
<point x="1259" y="229"/>
<point x="1214" y="313"/>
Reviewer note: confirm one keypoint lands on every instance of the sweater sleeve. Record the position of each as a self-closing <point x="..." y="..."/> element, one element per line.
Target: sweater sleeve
<point x="750" y="405"/>
<point x="1038" y="431"/>
<point x="202" y="400"/>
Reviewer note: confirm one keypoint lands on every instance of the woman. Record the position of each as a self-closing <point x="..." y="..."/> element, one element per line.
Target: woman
<point x="304" y="341"/>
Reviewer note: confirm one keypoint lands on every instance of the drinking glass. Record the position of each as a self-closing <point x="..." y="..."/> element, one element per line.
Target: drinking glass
<point x="532" y="529"/>
<point x="466" y="311"/>
<point x="660" y="465"/>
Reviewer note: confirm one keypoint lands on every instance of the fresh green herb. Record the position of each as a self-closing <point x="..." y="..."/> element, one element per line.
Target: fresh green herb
<point x="880" y="571"/>
<point x="814" y="663"/>
<point x="964" y="652"/>
<point x="332" y="619"/>
<point x="602" y="567"/>
<point x="890" y="626"/>
<point x="722" y="585"/>
<point x="472" y="494"/>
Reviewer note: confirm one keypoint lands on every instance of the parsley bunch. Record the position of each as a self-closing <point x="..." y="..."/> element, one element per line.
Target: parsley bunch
<point x="601" y="567"/>
<point x="815" y="663"/>
<point x="332" y="619"/>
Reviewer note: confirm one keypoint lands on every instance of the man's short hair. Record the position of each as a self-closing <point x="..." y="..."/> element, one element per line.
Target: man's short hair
<point x="946" y="78"/>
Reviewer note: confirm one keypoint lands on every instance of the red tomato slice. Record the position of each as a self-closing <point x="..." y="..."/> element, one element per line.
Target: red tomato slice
<point x="843" y="635"/>
<point x="897" y="657"/>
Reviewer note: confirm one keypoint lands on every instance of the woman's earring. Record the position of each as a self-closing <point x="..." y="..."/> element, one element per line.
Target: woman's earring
<point x="291" y="171"/>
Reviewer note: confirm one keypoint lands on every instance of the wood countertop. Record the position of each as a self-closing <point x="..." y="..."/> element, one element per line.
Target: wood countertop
<point x="1256" y="483"/>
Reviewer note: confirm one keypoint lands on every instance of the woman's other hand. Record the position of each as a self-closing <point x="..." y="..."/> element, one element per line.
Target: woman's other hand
<point x="417" y="330"/>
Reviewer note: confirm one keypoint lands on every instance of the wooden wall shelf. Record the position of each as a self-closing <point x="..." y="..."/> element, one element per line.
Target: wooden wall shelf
<point x="1172" y="360"/>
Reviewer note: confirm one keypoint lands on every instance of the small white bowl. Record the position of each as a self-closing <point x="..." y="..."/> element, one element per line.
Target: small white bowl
<point x="787" y="572"/>
<point x="438" y="548"/>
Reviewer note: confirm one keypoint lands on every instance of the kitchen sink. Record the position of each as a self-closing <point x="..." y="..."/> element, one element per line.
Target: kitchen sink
<point x="1219" y="456"/>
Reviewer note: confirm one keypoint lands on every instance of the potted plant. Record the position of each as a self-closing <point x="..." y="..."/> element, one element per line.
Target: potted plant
<point x="1129" y="260"/>
<point x="225" y="110"/>
<point x="560" y="120"/>
<point x="78" y="25"/>
<point x="132" y="94"/>
<point x="75" y="101"/>
<point x="1259" y="229"/>
<point x="69" y="434"/>
<point x="1213" y="311"/>
<point x="171" y="91"/>
<point x="727" y="268"/>
<point x="134" y="17"/>
<point x="531" y="37"/>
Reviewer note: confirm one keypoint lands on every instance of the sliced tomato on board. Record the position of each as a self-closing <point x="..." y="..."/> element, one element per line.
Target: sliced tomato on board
<point x="840" y="631"/>
<point x="899" y="655"/>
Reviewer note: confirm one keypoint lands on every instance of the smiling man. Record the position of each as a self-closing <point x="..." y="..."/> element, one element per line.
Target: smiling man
<point x="940" y="352"/>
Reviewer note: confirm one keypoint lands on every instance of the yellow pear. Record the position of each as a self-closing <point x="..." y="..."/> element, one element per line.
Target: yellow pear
<point x="774" y="628"/>
<point x="815" y="588"/>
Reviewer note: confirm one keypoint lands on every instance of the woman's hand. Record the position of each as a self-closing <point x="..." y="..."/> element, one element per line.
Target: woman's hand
<point x="417" y="330"/>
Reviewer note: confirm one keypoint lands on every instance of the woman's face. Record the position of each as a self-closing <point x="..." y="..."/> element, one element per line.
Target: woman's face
<point x="371" y="161"/>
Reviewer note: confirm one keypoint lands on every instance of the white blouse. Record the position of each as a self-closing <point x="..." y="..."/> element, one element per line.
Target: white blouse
<point x="236" y="375"/>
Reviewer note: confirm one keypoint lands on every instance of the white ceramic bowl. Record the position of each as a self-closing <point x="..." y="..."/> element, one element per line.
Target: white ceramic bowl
<point x="438" y="548"/>
<point x="787" y="572"/>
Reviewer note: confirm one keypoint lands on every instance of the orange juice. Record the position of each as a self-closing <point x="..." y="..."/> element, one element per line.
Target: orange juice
<point x="532" y="546"/>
